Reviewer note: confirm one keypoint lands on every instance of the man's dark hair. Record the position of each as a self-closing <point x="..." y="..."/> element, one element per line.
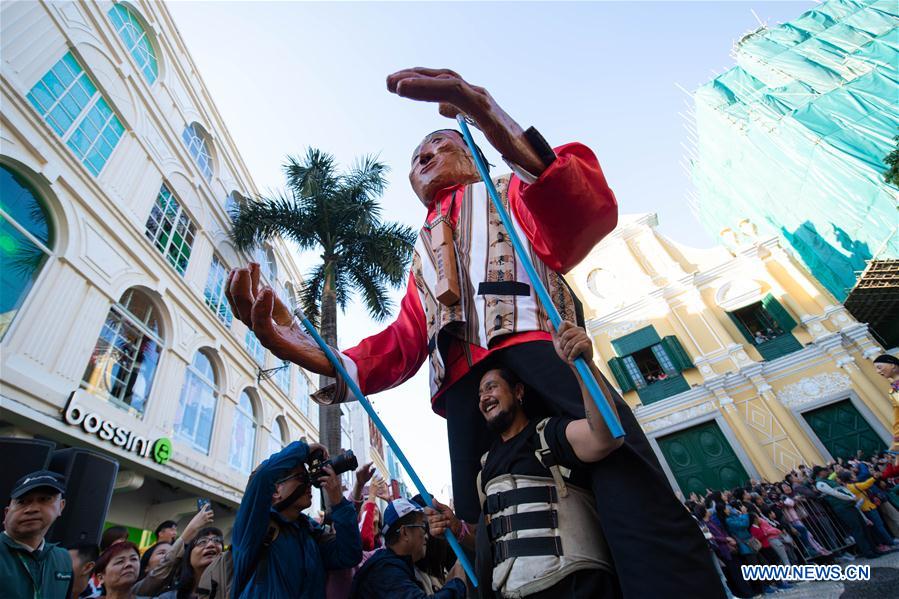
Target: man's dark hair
<point x="845" y="476"/>
<point x="393" y="533"/>
<point x="507" y="375"/>
<point x="817" y="470"/>
<point x="163" y="525"/>
<point x="87" y="552"/>
<point x="111" y="535"/>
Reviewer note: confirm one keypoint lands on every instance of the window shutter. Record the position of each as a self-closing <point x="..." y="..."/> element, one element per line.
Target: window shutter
<point x="742" y="328"/>
<point x="620" y="373"/>
<point x="778" y="313"/>
<point x="635" y="341"/>
<point x="677" y="353"/>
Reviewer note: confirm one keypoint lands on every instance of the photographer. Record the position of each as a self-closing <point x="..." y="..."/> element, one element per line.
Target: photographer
<point x="278" y="550"/>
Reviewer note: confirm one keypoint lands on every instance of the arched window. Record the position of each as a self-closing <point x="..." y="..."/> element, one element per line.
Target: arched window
<point x="278" y="438"/>
<point x="268" y="266"/>
<point x="124" y="361"/>
<point x="301" y="395"/>
<point x="290" y="296"/>
<point x="243" y="434"/>
<point x="254" y="347"/>
<point x="135" y="38"/>
<point x="214" y="293"/>
<point x="198" y="145"/>
<point x="26" y="239"/>
<point x="196" y="409"/>
<point x="233" y="202"/>
<point x="282" y="376"/>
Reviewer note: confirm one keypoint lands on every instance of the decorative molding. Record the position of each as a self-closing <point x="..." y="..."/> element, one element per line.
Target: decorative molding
<point x="872" y="352"/>
<point x="737" y="293"/>
<point x="100" y="254"/>
<point x="812" y="388"/>
<point x="679" y="416"/>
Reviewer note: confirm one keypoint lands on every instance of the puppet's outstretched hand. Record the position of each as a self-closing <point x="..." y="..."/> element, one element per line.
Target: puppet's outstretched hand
<point x="272" y="322"/>
<point x="454" y="95"/>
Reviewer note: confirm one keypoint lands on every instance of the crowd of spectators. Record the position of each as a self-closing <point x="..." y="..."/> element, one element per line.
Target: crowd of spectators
<point x="839" y="511"/>
<point x="277" y="551"/>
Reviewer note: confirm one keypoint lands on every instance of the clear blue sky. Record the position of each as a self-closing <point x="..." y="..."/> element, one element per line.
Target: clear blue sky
<point x="288" y="75"/>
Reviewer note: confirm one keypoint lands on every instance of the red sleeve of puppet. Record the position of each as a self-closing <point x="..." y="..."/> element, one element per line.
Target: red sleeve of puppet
<point x="568" y="209"/>
<point x="392" y="356"/>
<point x="367" y="526"/>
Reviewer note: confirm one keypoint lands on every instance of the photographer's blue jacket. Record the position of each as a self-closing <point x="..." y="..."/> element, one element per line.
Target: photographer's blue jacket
<point x="294" y="564"/>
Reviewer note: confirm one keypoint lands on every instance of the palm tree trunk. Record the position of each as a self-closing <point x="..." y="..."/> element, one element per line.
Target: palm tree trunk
<point x="329" y="416"/>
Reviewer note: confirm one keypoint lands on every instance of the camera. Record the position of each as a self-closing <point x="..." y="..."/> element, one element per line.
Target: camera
<point x="342" y="462"/>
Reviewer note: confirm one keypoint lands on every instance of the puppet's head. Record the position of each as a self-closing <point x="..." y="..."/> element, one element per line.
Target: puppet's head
<point x="441" y="160"/>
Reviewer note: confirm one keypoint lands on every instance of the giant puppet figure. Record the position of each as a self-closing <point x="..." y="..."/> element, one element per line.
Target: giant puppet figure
<point x="562" y="206"/>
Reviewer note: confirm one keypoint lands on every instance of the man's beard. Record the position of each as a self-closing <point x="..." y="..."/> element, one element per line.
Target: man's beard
<point x="503" y="420"/>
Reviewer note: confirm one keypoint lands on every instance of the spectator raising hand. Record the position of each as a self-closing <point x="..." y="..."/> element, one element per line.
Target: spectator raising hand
<point x="363" y="475"/>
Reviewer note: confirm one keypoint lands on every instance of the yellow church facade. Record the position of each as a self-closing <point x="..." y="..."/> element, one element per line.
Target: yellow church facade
<point x="737" y="363"/>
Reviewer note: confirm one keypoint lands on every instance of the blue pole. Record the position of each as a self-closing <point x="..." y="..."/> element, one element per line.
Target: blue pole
<point x="419" y="485"/>
<point x="580" y="364"/>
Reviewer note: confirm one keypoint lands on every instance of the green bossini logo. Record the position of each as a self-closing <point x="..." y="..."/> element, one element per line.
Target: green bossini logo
<point x="94" y="424"/>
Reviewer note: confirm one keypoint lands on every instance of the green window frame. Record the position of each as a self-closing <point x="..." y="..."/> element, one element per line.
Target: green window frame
<point x="171" y="230"/>
<point x="672" y="358"/>
<point x="134" y="36"/>
<point x="775" y="347"/>
<point x="69" y="101"/>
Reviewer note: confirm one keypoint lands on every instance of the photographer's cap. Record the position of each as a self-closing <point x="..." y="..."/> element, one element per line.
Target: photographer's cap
<point x="396" y="509"/>
<point x="38" y="480"/>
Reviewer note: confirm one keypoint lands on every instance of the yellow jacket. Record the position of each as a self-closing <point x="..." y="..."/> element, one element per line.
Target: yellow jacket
<point x="858" y="489"/>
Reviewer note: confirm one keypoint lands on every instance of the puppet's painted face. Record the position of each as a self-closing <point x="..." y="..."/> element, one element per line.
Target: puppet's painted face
<point x="440" y="160"/>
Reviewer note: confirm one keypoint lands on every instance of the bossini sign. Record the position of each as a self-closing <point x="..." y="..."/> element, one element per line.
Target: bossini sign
<point x="95" y="424"/>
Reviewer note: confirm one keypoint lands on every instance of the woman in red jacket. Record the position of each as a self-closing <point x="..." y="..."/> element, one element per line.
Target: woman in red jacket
<point x="763" y="531"/>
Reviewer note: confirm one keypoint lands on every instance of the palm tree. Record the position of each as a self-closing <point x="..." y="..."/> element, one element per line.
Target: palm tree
<point x="339" y="214"/>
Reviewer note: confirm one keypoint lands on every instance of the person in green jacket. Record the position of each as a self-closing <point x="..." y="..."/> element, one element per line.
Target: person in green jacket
<point x="30" y="567"/>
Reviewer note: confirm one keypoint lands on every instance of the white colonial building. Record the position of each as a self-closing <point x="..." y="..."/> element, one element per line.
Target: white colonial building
<point x="117" y="173"/>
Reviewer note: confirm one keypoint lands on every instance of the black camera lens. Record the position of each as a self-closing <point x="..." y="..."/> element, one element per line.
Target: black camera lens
<point x="344" y="462"/>
<point x="340" y="463"/>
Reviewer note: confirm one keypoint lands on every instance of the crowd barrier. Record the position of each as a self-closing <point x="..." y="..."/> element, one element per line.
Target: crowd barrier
<point x="823" y="525"/>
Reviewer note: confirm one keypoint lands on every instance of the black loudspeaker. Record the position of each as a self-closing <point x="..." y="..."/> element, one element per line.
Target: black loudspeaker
<point x="21" y="457"/>
<point x="90" y="479"/>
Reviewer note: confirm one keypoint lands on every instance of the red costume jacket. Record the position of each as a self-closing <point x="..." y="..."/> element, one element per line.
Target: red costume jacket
<point x="564" y="213"/>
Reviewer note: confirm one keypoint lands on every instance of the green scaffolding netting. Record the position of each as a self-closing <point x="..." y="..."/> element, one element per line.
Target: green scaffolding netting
<point x="794" y="137"/>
